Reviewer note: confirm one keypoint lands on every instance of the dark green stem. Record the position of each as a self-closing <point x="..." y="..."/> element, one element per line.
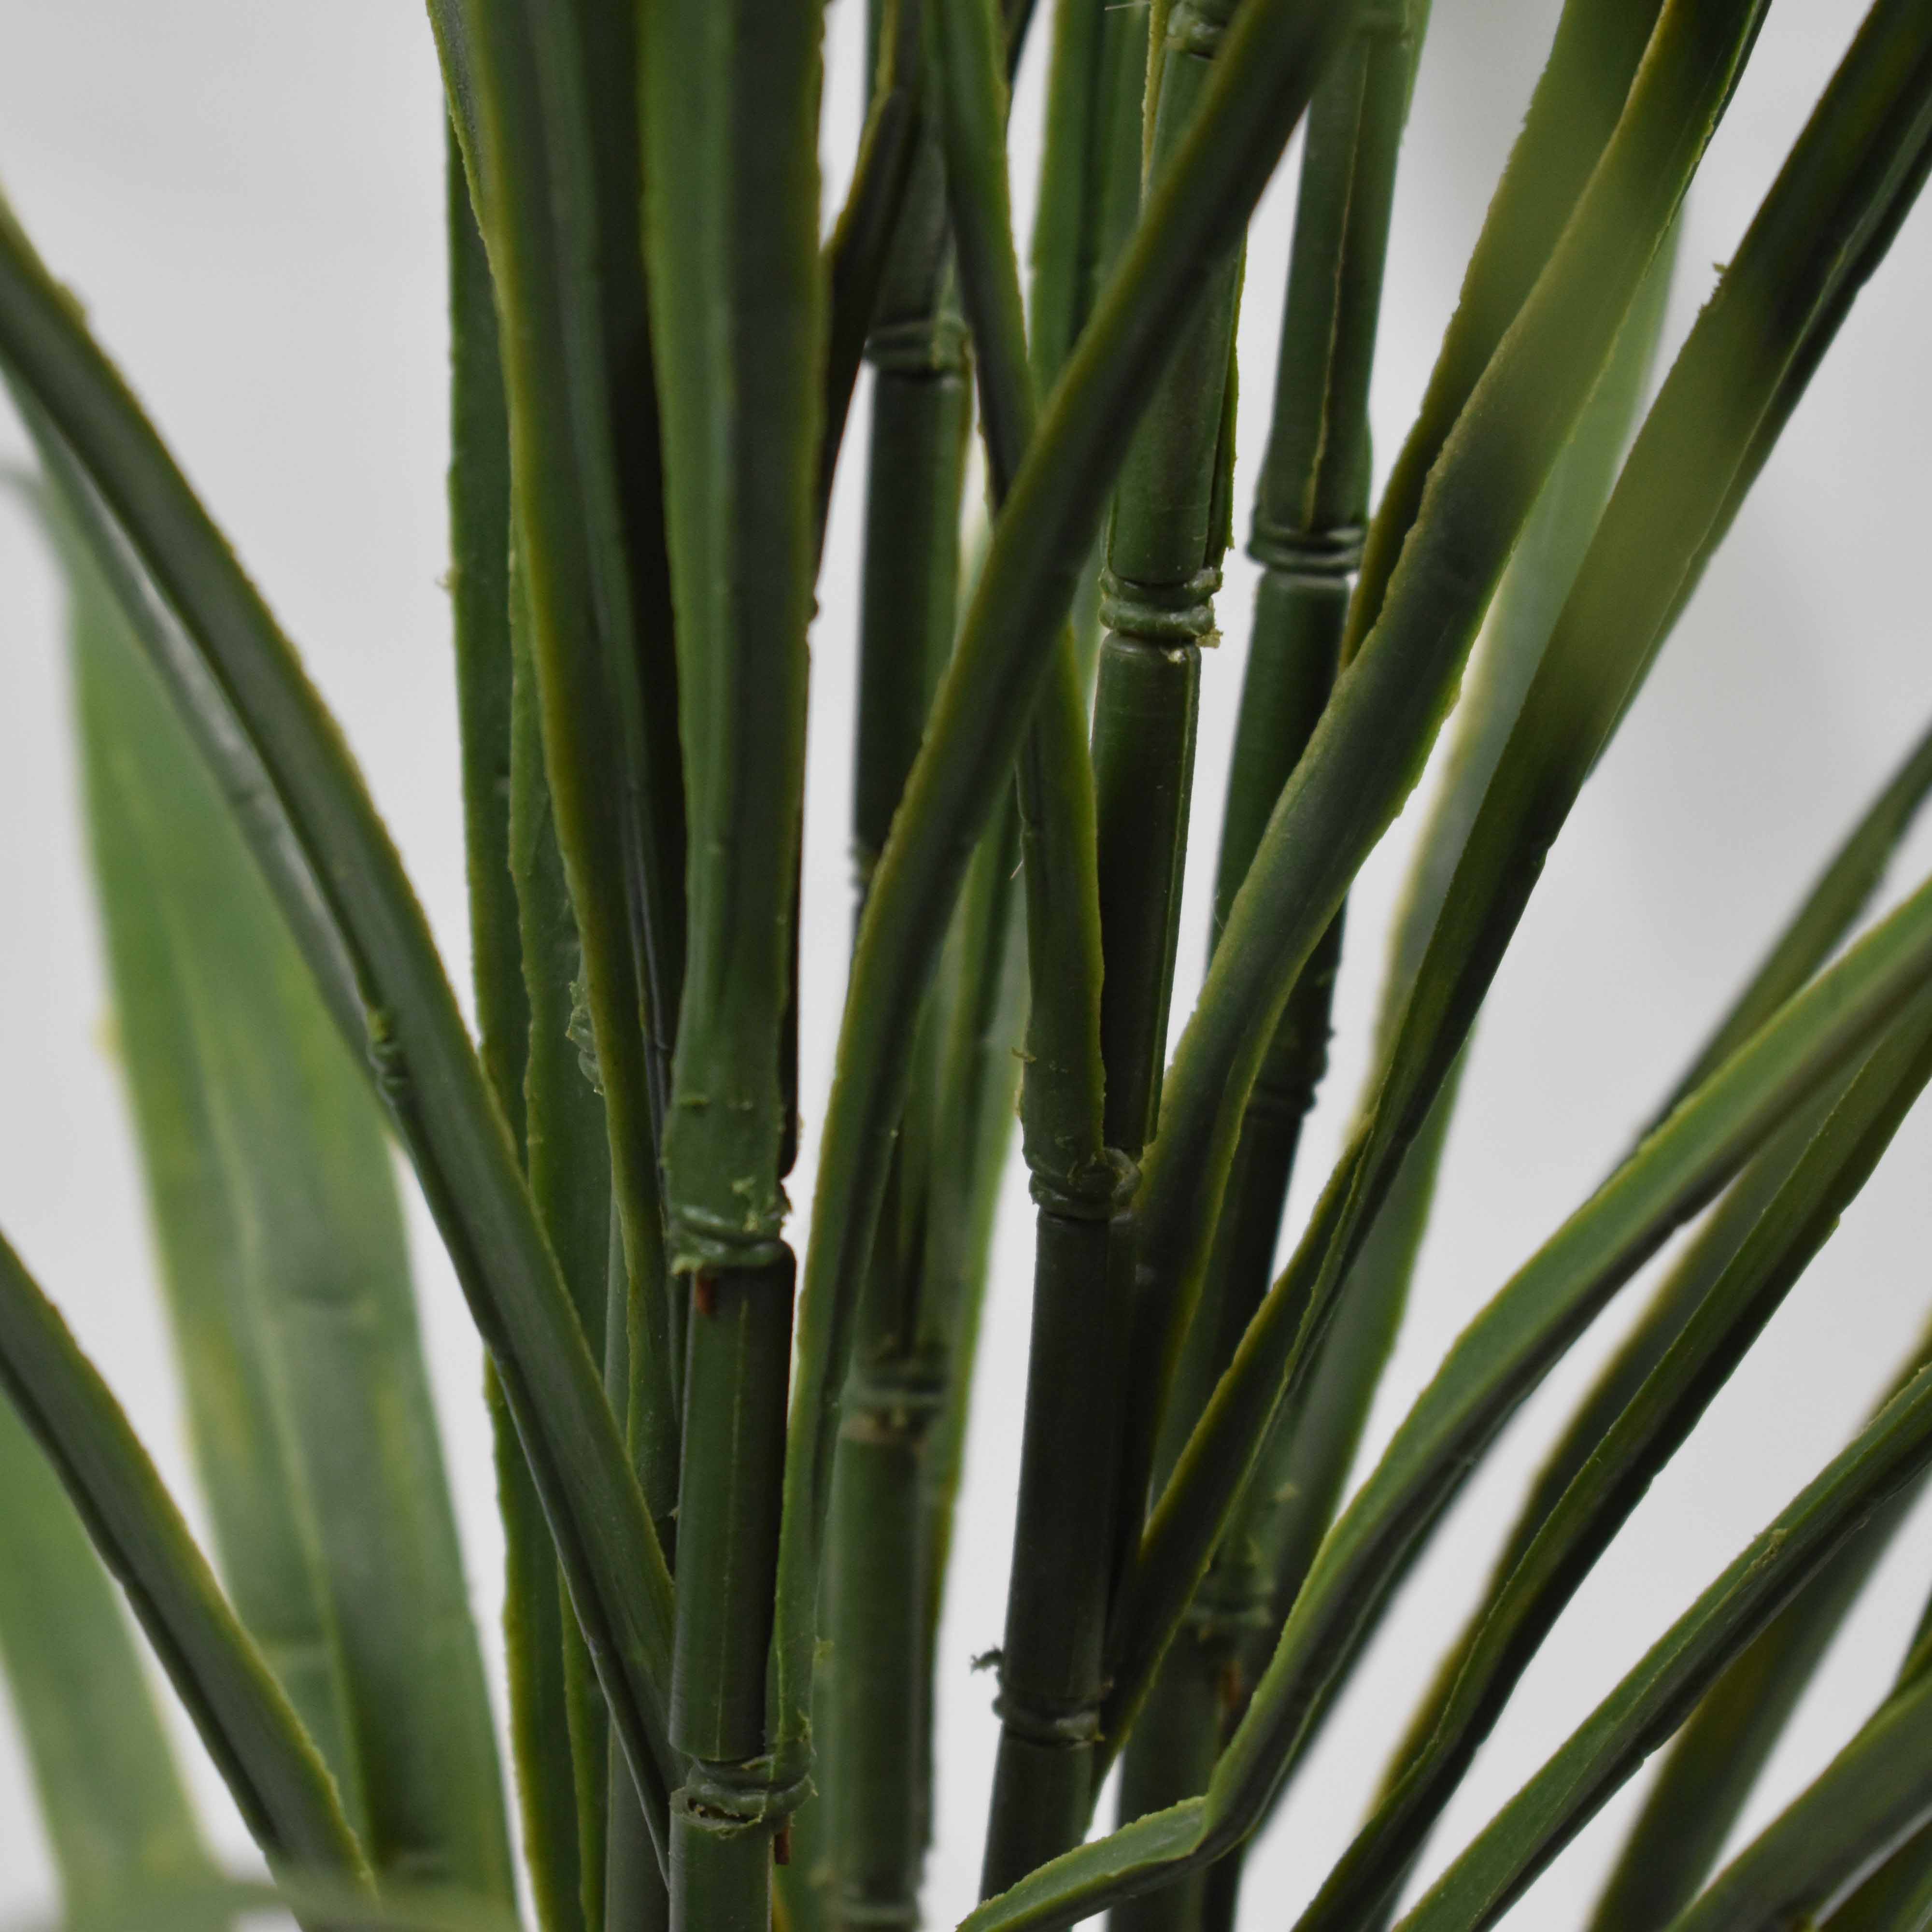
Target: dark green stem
<point x="876" y="1768"/>
<point x="1311" y="504"/>
<point x="1169" y="529"/>
<point x="1056" y="1609"/>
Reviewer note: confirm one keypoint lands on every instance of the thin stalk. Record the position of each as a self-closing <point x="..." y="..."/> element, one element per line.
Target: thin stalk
<point x="1089" y="199"/>
<point x="1170" y="526"/>
<point x="730" y="101"/>
<point x="876" y="1761"/>
<point x="535" y="1612"/>
<point x="1022" y="596"/>
<point x="864" y="237"/>
<point x="1050" y="1667"/>
<point x="1311" y="504"/>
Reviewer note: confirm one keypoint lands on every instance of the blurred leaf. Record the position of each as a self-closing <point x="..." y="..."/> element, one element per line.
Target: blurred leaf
<point x="117" y="1815"/>
<point x="281" y="1239"/>
<point x="427" y="1066"/>
<point x="279" y="1783"/>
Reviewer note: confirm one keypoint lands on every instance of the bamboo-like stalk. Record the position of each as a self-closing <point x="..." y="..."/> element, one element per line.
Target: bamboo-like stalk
<point x="1311" y="505"/>
<point x="1362" y="760"/>
<point x="1050" y="1667"/>
<point x="1168" y="529"/>
<point x="730" y="109"/>
<point x="876" y="1761"/>
<point x="1023" y="593"/>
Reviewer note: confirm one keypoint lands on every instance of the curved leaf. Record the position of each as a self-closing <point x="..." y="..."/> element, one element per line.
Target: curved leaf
<point x="1892" y="1450"/>
<point x="271" y="1767"/>
<point x="427" y="1066"/>
<point x="1500" y="1358"/>
<point x="118" y="1816"/>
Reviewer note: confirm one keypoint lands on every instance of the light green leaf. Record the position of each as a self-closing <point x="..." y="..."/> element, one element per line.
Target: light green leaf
<point x="118" y="1817"/>
<point x="281" y="1239"/>
<point x="280" y="1784"/>
<point x="427" y="1066"/>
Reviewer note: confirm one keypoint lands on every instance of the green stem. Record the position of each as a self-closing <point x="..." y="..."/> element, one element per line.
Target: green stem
<point x="875" y="1764"/>
<point x="1056" y="1609"/>
<point x="1311" y="503"/>
<point x="1023" y="594"/>
<point x="730" y="115"/>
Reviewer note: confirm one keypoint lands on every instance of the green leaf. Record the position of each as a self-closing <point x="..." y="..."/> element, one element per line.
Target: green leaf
<point x="1499" y="1359"/>
<point x="1024" y="590"/>
<point x="279" y="1783"/>
<point x="535" y="1608"/>
<point x="557" y="164"/>
<point x="1892" y="1451"/>
<point x="1838" y="189"/>
<point x="1372" y="740"/>
<point x="1875" y="1791"/>
<point x="118" y="1817"/>
<point x="1819" y="1171"/>
<point x="1708" y="1772"/>
<point x="281" y="1239"/>
<point x="427" y="1068"/>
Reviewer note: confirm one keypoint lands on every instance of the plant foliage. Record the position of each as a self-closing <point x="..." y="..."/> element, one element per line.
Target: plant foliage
<point x="727" y="1476"/>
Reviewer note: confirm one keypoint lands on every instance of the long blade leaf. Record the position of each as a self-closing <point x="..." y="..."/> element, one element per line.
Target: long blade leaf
<point x="118" y="1816"/>
<point x="282" y="1245"/>
<point x="1653" y="1699"/>
<point x="279" y="1782"/>
<point x="428" y="1069"/>
<point x="1500" y="1358"/>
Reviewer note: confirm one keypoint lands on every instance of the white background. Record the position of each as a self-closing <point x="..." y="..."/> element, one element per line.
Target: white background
<point x="248" y="198"/>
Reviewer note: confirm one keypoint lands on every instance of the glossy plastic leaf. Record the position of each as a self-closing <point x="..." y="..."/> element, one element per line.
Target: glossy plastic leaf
<point x="281" y="1235"/>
